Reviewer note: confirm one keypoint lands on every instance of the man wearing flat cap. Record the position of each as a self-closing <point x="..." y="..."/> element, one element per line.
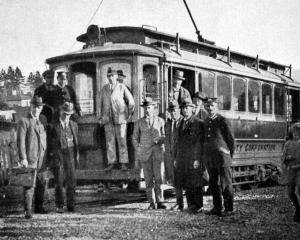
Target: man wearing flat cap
<point x="198" y="100"/>
<point x="31" y="142"/>
<point x="148" y="141"/>
<point x="66" y="93"/>
<point x="188" y="164"/>
<point x="64" y="153"/>
<point x="116" y="107"/>
<point x="177" y="92"/>
<point x="218" y="152"/>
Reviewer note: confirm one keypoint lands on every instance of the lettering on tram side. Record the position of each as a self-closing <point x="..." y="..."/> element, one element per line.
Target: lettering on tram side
<point x="258" y="147"/>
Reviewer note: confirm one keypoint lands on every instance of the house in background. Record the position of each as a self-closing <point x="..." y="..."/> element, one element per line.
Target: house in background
<point x="19" y="100"/>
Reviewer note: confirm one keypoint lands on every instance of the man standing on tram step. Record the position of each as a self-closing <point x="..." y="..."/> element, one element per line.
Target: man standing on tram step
<point x="31" y="141"/>
<point x="177" y="92"/>
<point x="148" y="141"/>
<point x="188" y="163"/>
<point x="116" y="107"/>
<point x="64" y="155"/>
<point x="66" y="93"/>
<point x="198" y="100"/>
<point x="47" y="92"/>
<point x="218" y="151"/>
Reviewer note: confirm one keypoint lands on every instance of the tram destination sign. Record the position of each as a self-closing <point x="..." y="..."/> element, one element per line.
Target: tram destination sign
<point x="258" y="147"/>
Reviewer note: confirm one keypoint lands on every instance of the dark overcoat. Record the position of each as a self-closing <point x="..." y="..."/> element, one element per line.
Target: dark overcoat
<point x="189" y="147"/>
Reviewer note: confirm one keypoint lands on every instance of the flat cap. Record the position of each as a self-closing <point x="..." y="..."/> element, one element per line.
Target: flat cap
<point x="187" y="102"/>
<point x="173" y="105"/>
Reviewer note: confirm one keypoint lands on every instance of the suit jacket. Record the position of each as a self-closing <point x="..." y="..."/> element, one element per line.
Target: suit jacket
<point x="219" y="142"/>
<point x="171" y="129"/>
<point x="31" y="141"/>
<point x="66" y="94"/>
<point x="148" y="139"/>
<point x="189" y="147"/>
<point x="56" y="143"/>
<point x="116" y="105"/>
<point x="183" y="94"/>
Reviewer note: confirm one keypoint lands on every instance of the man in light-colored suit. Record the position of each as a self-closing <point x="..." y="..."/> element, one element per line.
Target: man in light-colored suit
<point x="31" y="141"/>
<point x="116" y="106"/>
<point x="148" y="141"/>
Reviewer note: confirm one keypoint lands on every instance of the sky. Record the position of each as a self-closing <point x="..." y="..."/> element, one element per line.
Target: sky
<point x="34" y="30"/>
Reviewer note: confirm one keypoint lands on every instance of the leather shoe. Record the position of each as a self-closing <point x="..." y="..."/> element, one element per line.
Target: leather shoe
<point x="177" y="207"/>
<point x="151" y="206"/>
<point x="161" y="206"/>
<point x="40" y="210"/>
<point x="28" y="215"/>
<point x="214" y="212"/>
<point x="60" y="210"/>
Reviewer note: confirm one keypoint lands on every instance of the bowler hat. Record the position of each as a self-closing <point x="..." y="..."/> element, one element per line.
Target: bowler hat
<point x="37" y="101"/>
<point x="178" y="75"/>
<point x="48" y="72"/>
<point x="121" y="74"/>
<point x="110" y="72"/>
<point x="200" y="95"/>
<point x="173" y="105"/>
<point x="187" y="102"/>
<point x="147" y="102"/>
<point x="68" y="108"/>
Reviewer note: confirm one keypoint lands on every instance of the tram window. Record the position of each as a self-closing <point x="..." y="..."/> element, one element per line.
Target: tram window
<point x="239" y="93"/>
<point x="224" y="92"/>
<point x="125" y="67"/>
<point x="207" y="82"/>
<point x="150" y="79"/>
<point x="84" y="91"/>
<point x="279" y="93"/>
<point x="267" y="98"/>
<point x="253" y="95"/>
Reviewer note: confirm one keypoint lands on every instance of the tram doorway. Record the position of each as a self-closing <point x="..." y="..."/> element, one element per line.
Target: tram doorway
<point x="293" y="109"/>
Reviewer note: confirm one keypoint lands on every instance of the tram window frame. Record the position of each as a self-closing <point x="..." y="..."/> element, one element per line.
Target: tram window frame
<point x="235" y="80"/>
<point x="227" y="93"/>
<point x="279" y="110"/>
<point x="267" y="108"/>
<point x="210" y="90"/>
<point x="250" y="81"/>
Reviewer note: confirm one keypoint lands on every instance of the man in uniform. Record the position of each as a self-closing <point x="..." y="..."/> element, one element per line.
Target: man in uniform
<point x="64" y="154"/>
<point x="218" y="150"/>
<point x="66" y="93"/>
<point x="189" y="158"/>
<point x="116" y="106"/>
<point x="31" y="141"/>
<point x="198" y="100"/>
<point x="177" y="92"/>
<point x="148" y="140"/>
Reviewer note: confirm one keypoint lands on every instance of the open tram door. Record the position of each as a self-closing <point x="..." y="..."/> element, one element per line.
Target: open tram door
<point x="293" y="105"/>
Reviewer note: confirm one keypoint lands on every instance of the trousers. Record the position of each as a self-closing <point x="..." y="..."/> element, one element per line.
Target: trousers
<point x="116" y="133"/>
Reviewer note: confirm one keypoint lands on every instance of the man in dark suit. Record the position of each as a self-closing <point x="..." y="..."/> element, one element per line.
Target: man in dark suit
<point x="31" y="141"/>
<point x="218" y="151"/>
<point x="188" y="157"/>
<point x="177" y="92"/>
<point x="64" y="155"/>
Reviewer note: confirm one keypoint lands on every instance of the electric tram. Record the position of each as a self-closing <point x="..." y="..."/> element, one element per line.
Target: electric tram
<point x="259" y="97"/>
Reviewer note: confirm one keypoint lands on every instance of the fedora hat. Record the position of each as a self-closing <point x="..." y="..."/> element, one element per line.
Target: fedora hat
<point x="111" y="72"/>
<point x="187" y="102"/>
<point x="68" y="108"/>
<point x="147" y="102"/>
<point x="173" y="105"/>
<point x="37" y="101"/>
<point x="178" y="75"/>
<point x="121" y="74"/>
<point x="200" y="95"/>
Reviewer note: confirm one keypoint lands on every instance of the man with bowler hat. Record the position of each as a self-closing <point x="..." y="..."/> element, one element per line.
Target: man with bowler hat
<point x="116" y="107"/>
<point x="188" y="164"/>
<point x="177" y="92"/>
<point x="31" y="142"/>
<point x="218" y="151"/>
<point x="64" y="154"/>
<point x="148" y="140"/>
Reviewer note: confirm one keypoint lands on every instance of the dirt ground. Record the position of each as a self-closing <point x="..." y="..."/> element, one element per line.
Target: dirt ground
<point x="264" y="213"/>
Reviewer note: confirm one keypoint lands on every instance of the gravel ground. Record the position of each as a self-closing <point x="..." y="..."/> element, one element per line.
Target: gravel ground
<point x="260" y="214"/>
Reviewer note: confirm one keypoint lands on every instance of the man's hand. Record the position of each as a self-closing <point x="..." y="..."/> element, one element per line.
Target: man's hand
<point x="24" y="163"/>
<point x="196" y="164"/>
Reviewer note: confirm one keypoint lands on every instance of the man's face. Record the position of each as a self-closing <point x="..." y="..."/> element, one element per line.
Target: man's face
<point x="62" y="80"/>
<point x="112" y="78"/>
<point x="211" y="108"/>
<point x="36" y="110"/>
<point x="49" y="79"/>
<point x="187" y="111"/>
<point x="177" y="83"/>
<point x="121" y="79"/>
<point x="64" y="116"/>
<point x="149" y="110"/>
<point x="197" y="102"/>
<point x="174" y="113"/>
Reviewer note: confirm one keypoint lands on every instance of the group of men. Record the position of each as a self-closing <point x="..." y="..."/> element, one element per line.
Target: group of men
<point x="195" y="143"/>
